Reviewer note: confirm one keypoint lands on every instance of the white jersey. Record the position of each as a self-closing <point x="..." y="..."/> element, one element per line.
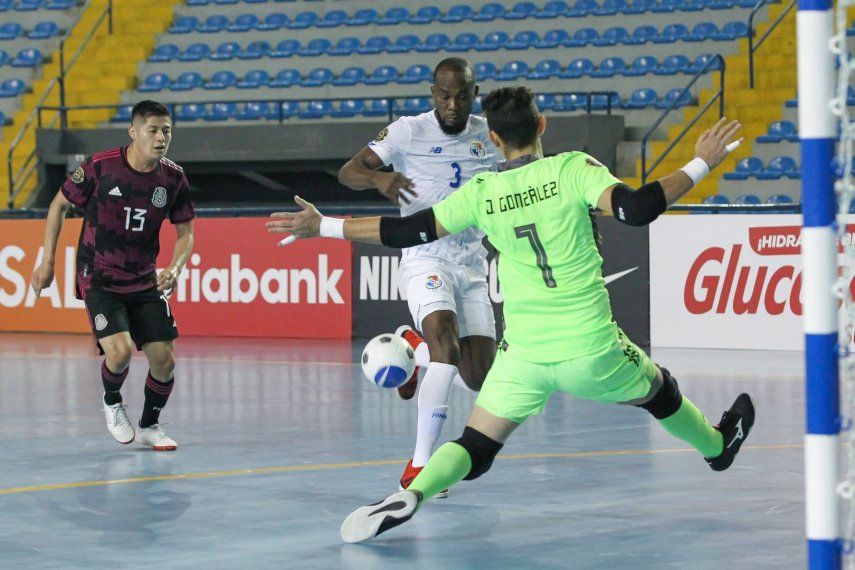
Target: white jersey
<point x="438" y="164"/>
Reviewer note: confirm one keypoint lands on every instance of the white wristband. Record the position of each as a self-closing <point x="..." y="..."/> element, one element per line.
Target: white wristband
<point x="331" y="227"/>
<point x="696" y="169"/>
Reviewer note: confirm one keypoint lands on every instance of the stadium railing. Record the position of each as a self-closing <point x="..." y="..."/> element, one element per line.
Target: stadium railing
<point x="752" y="32"/>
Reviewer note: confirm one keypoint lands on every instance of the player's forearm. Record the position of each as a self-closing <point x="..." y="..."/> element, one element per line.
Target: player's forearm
<point x="357" y="177"/>
<point x="53" y="227"/>
<point x="181" y="252"/>
<point x="675" y="186"/>
<point x="366" y="230"/>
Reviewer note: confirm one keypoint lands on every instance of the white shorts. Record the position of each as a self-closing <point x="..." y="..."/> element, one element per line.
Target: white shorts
<point x="433" y="284"/>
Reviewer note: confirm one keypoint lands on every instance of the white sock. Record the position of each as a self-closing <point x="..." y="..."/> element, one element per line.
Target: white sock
<point x="433" y="405"/>
<point x="458" y="381"/>
<point x="422" y="355"/>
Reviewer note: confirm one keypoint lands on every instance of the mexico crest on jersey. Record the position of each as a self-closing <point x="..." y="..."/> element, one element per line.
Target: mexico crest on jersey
<point x="78" y="175"/>
<point x="159" y="198"/>
<point x="477" y="150"/>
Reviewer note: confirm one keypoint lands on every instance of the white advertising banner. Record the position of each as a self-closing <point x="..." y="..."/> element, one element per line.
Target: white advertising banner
<point x="727" y="281"/>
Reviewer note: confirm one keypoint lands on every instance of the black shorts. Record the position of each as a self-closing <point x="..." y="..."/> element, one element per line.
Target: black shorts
<point x="145" y="315"/>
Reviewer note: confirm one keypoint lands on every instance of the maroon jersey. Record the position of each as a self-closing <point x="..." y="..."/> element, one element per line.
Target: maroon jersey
<point x="123" y="212"/>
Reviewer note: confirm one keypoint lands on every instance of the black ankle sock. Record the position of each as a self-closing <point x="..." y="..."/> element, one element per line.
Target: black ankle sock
<point x="112" y="384"/>
<point x="156" y="395"/>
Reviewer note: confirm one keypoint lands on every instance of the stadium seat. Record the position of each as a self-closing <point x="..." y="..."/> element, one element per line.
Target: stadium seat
<point x="403" y="44"/>
<point x="493" y="41"/>
<point x="667" y="6"/>
<point x="382" y="75"/>
<point x="302" y="21"/>
<point x="332" y="19"/>
<point x="348" y="108"/>
<point x="610" y="8"/>
<point x="780" y="167"/>
<point x="641" y="66"/>
<point x="611" y="37"/>
<point x="273" y="22"/>
<point x="243" y="23"/>
<point x="28" y="57"/>
<point x="394" y="16"/>
<point x="185" y="25"/>
<point x="425" y="15"/>
<point x="512" y="71"/>
<point x="716" y="199"/>
<point x="6" y="5"/>
<point x="638" y="7"/>
<point x="344" y="46"/>
<point x="604" y="102"/>
<point x="463" y="42"/>
<point x="60" y="4"/>
<point x="745" y="169"/>
<point x="521" y="11"/>
<point x="779" y="131"/>
<point x="256" y="110"/>
<point x="221" y="112"/>
<point x="318" y="77"/>
<point x="701" y="61"/>
<point x="44" y="30"/>
<point x="317" y="109"/>
<point x="701" y="32"/>
<point x="254" y="79"/>
<point x="641" y="35"/>
<point x="485" y="70"/>
<point x="221" y="80"/>
<point x="693" y="5"/>
<point x="187" y="81"/>
<point x="523" y="40"/>
<point x="190" y="112"/>
<point x="673" y="64"/>
<point x="225" y="51"/>
<point x="123" y="114"/>
<point x="545" y="69"/>
<point x="731" y="31"/>
<point x="12" y="87"/>
<point x="609" y="67"/>
<point x="350" y="76"/>
<point x="779" y="199"/>
<point x="577" y="68"/>
<point x="416" y="74"/>
<point x="195" y="52"/>
<point x="225" y="2"/>
<point x="476" y="106"/>
<point x="747" y="200"/>
<point x="289" y="109"/>
<point x="414" y="106"/>
<point x="285" y="48"/>
<point x="374" y="45"/>
<point x="582" y="37"/>
<point x="457" y="14"/>
<point x="198" y="2"/>
<point x="4" y="57"/>
<point x="377" y="108"/>
<point x="255" y="50"/>
<point x="434" y="43"/>
<point x="164" y="53"/>
<point x="28" y="5"/>
<point x="553" y="9"/>
<point x="489" y="12"/>
<point x="678" y="95"/>
<point x="553" y="39"/>
<point x="721" y="4"/>
<point x="154" y="82"/>
<point x="545" y="101"/>
<point x="582" y="8"/>
<point x="214" y="24"/>
<point x="671" y="33"/>
<point x="315" y="47"/>
<point x="641" y="99"/>
<point x="363" y="17"/>
<point x="571" y="102"/>
<point x="11" y="31"/>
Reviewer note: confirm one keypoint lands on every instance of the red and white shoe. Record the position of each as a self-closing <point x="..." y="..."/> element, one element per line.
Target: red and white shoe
<point x="154" y="437"/>
<point x="408" y="389"/>
<point x="411" y="473"/>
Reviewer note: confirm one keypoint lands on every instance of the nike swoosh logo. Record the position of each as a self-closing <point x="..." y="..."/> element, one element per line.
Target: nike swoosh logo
<point x="616" y="276"/>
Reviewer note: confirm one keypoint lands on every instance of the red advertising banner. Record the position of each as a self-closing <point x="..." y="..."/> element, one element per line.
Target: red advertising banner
<point x="236" y="283"/>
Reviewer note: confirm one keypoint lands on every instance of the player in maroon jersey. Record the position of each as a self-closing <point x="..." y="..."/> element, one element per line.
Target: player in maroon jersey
<point x="126" y="194"/>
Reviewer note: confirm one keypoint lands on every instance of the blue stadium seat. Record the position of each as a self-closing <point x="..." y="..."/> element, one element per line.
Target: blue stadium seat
<point x="716" y="199"/>
<point x="123" y="114"/>
<point x="582" y="8"/>
<point x="164" y="53"/>
<point x="315" y="47"/>
<point x="373" y="45"/>
<point x="221" y="112"/>
<point x="603" y="102"/>
<point x="521" y="11"/>
<point x="12" y="87"/>
<point x="153" y="83"/>
<point x="195" y="52"/>
<point x="577" y="68"/>
<point x="512" y="71"/>
<point x="692" y="5"/>
<point x="493" y="41"/>
<point x="225" y="2"/>
<point x="678" y="94"/>
<point x="485" y="70"/>
<point x="221" y="80"/>
<point x="489" y="12"/>
<point x="28" y="5"/>
<point x="641" y="99"/>
<point x="333" y="19"/>
<point x="344" y="46"/>
<point x="363" y="17"/>
<point x="638" y="7"/>
<point x="701" y="61"/>
<point x="225" y="51"/>
<point x="4" y="57"/>
<point x="6" y="5"/>
<point x="256" y="110"/>
<point x="641" y="66"/>
<point x="214" y="24"/>
<point x="44" y="30"/>
<point x="611" y="37"/>
<point x="641" y="35"/>
<point x="317" y="109"/>
<point x="289" y="109"/>
<point x="476" y="106"/>
<point x="582" y="37"/>
<point x="721" y="4"/>
<point x="377" y="108"/>
<point x="779" y="199"/>
<point x="244" y="23"/>
<point x="318" y="77"/>
<point x="404" y="44"/>
<point x="731" y="31"/>
<point x="701" y="32"/>
<point x="553" y="39"/>
<point x="523" y="40"/>
<point x="463" y="42"/>
<point x="779" y="131"/>
<point x="747" y="200"/>
<point x="60" y="4"/>
<point x="28" y="57"/>
<point x="382" y="75"/>
<point x="671" y="33"/>
<point x="198" y="2"/>
<point x="673" y="64"/>
<point x="571" y="102"/>
<point x="348" y="108"/>
<point x="285" y="48"/>
<point x="273" y="22"/>
<point x="434" y="43"/>
<point x="425" y="15"/>
<point x="553" y="9"/>
<point x="416" y="74"/>
<point x="667" y="6"/>
<point x="189" y="112"/>
<point x="285" y="78"/>
<point x="302" y="21"/>
<point x="609" y="67"/>
<point x="457" y="14"/>
<point x="546" y="69"/>
<point x="187" y="81"/>
<point x="255" y="50"/>
<point x="745" y="169"/>
<point x="414" y="106"/>
<point x="610" y="8"/>
<point x="185" y="25"/>
<point x="350" y="76"/>
<point x="394" y="16"/>
<point x="254" y="79"/>
<point x="780" y="167"/>
<point x="11" y="31"/>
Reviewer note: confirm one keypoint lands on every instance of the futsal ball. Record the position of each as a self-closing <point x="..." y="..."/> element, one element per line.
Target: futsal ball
<point x="388" y="360"/>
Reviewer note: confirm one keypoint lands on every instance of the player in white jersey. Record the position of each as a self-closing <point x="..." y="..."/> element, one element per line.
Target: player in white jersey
<point x="434" y="154"/>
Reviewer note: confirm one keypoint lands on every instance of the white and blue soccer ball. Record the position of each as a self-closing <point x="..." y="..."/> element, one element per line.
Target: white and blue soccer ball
<point x="388" y="360"/>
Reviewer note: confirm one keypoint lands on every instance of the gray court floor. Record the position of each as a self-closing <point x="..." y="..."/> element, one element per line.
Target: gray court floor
<point x="280" y="440"/>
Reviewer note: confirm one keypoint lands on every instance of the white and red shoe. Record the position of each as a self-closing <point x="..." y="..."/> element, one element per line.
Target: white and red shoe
<point x="408" y="389"/>
<point x="118" y="423"/>
<point x="154" y="437"/>
<point x="410" y="473"/>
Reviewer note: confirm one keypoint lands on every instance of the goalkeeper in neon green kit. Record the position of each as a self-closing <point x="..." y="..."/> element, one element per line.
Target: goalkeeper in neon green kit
<point x="560" y="334"/>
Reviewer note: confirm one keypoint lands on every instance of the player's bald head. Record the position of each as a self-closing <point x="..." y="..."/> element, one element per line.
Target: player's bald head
<point x="454" y="91"/>
<point x="455" y="66"/>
